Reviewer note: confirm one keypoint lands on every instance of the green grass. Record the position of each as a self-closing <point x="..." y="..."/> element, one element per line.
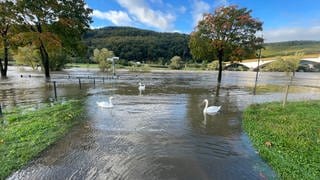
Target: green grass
<point x="24" y="134"/>
<point x="294" y="134"/>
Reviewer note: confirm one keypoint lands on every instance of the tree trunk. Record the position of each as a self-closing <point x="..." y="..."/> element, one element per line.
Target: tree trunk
<point x="220" y="57"/>
<point x="44" y="54"/>
<point x="4" y="65"/>
<point x="287" y="92"/>
<point x="44" y="59"/>
<point x="3" y="74"/>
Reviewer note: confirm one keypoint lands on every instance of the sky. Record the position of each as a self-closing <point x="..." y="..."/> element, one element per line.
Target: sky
<point x="283" y="20"/>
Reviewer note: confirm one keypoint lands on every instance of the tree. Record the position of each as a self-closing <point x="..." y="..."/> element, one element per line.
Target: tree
<point x="232" y="32"/>
<point x="41" y="16"/>
<point x="74" y="20"/>
<point x="101" y="57"/>
<point x="27" y="55"/>
<point x="291" y="64"/>
<point x="8" y="18"/>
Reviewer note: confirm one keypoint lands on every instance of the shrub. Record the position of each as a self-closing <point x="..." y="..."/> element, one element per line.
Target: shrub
<point x="176" y="63"/>
<point x="144" y="68"/>
<point x="214" y="65"/>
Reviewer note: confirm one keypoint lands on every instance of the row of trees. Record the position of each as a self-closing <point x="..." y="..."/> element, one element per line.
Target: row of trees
<point x="49" y="28"/>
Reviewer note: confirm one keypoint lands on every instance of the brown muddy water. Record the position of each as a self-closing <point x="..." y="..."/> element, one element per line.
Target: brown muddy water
<point x="159" y="133"/>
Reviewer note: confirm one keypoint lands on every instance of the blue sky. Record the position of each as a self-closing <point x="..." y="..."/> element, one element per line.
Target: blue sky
<point x="283" y="20"/>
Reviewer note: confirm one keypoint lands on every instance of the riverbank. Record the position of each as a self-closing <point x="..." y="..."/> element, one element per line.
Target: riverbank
<point x="287" y="138"/>
<point x="25" y="134"/>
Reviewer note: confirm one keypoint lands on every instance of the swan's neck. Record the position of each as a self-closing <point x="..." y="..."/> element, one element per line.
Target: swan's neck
<point x="206" y="106"/>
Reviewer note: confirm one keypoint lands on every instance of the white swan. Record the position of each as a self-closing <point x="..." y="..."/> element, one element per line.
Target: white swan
<point x="105" y="104"/>
<point x="211" y="110"/>
<point x="142" y="87"/>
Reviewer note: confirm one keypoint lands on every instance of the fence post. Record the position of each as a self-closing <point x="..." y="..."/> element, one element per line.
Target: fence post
<point x="80" y="83"/>
<point x="0" y="109"/>
<point x="287" y="92"/>
<point x="55" y="90"/>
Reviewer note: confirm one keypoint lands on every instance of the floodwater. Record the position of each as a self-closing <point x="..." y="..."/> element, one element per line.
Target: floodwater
<point x="159" y="133"/>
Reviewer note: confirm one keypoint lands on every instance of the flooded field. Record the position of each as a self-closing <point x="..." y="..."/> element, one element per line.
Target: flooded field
<point x="158" y="133"/>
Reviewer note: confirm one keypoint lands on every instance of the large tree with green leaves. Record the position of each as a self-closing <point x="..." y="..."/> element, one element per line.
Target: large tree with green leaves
<point x="232" y="32"/>
<point x="54" y="23"/>
<point x="8" y="18"/>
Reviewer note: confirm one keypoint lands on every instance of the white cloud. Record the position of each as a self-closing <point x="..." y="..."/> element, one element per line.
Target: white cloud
<point x="289" y="34"/>
<point x="199" y="7"/>
<point x="118" y="18"/>
<point x="142" y="13"/>
<point x="96" y="27"/>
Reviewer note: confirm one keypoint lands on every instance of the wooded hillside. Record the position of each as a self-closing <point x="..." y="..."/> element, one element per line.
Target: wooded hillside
<point x="134" y="44"/>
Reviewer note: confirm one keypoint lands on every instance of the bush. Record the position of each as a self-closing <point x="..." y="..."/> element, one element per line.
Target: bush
<point x="144" y="68"/>
<point x="176" y="63"/>
<point x="214" y="65"/>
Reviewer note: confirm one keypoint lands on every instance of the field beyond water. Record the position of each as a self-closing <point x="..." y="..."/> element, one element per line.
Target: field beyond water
<point x="24" y="134"/>
<point x="287" y="138"/>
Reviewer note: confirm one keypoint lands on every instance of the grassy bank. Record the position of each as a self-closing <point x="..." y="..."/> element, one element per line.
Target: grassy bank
<point x="287" y="138"/>
<point x="24" y="134"/>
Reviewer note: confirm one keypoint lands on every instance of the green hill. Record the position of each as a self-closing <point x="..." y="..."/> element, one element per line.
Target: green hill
<point x="290" y="47"/>
<point x="134" y="44"/>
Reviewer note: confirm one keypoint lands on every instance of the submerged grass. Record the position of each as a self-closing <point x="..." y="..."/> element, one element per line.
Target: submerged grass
<point x="287" y="138"/>
<point x="23" y="135"/>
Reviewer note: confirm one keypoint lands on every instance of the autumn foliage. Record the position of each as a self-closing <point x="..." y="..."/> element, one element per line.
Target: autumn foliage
<point x="232" y="33"/>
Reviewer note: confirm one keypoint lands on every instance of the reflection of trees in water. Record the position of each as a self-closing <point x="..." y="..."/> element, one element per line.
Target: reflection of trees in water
<point x="226" y="122"/>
